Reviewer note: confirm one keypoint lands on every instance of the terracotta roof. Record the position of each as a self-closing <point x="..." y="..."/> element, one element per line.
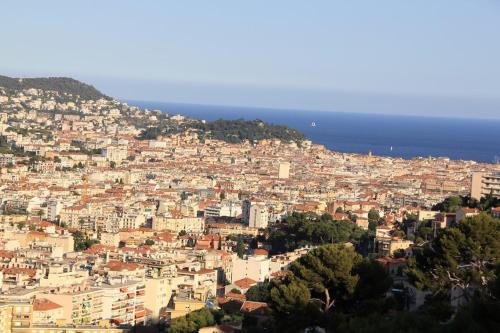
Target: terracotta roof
<point x="250" y="306"/>
<point x="117" y="266"/>
<point x="245" y="283"/>
<point x="43" y="304"/>
<point x="235" y="296"/>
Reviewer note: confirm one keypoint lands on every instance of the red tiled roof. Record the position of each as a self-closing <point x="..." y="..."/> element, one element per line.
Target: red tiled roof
<point x="43" y="304"/>
<point x="250" y="306"/>
<point x="117" y="266"/>
<point x="245" y="283"/>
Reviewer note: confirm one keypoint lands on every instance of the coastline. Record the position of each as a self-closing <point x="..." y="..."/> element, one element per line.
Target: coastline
<point x="409" y="137"/>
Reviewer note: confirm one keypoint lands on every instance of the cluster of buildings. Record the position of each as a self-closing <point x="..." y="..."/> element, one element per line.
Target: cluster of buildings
<point x="100" y="229"/>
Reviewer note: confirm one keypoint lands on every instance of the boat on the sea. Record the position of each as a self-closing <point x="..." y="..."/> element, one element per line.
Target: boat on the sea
<point x="313" y="124"/>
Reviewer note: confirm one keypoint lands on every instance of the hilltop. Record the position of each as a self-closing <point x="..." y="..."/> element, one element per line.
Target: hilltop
<point x="69" y="96"/>
<point x="62" y="85"/>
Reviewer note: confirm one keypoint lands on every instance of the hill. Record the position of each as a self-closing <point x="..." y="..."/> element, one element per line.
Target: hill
<point x="232" y="131"/>
<point x="63" y="85"/>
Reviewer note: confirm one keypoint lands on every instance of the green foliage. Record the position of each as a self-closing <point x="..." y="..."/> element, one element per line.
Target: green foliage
<point x="301" y="229"/>
<point x="240" y="248"/>
<point x="63" y="85"/>
<point x="373" y="215"/>
<point x="232" y="131"/>
<point x="459" y="256"/>
<point x="291" y="297"/>
<point x="259" y="292"/>
<point x="331" y="278"/>
<point x="192" y="322"/>
<point x="373" y="280"/>
<point x="149" y="242"/>
<point x="328" y="273"/>
<point x="82" y="242"/>
<point x="451" y="204"/>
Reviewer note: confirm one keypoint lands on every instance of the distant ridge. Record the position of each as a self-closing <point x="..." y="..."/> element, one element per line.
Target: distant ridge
<point x="60" y="84"/>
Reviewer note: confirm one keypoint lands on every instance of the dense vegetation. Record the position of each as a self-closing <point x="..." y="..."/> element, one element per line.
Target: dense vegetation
<point x="63" y="85"/>
<point x="82" y="242"/>
<point x="195" y="320"/>
<point x="335" y="288"/>
<point x="451" y="204"/>
<point x="232" y="131"/>
<point x="301" y="229"/>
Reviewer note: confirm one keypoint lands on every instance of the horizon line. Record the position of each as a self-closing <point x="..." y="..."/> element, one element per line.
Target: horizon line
<point x="461" y="117"/>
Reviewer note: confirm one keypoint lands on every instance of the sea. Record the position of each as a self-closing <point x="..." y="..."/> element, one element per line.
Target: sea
<point x="383" y="135"/>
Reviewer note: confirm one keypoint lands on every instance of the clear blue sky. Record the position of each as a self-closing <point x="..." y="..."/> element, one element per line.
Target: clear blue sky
<point x="390" y="56"/>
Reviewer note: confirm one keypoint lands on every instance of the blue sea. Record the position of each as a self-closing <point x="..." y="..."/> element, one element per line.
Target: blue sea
<point x="409" y="136"/>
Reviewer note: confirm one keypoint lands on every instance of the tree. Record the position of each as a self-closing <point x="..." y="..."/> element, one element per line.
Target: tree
<point x="149" y="242"/>
<point x="112" y="164"/>
<point x="182" y="233"/>
<point x="461" y="256"/>
<point x="240" y="248"/>
<point x="290" y="299"/>
<point x="451" y="204"/>
<point x="328" y="273"/>
<point x="373" y="280"/>
<point x="302" y="229"/>
<point x="260" y="292"/>
<point x="82" y="242"/>
<point x="192" y="322"/>
<point x="373" y="215"/>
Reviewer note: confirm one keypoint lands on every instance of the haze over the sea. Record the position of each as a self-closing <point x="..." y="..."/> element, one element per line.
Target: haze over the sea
<point x="385" y="135"/>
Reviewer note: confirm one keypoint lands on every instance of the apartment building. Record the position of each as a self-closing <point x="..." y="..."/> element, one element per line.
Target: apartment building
<point x="483" y="184"/>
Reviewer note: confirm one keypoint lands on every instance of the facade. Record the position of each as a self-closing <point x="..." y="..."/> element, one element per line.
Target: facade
<point x="80" y="307"/>
<point x="386" y="246"/>
<point x="158" y="295"/>
<point x="254" y="267"/>
<point x="258" y="216"/>
<point x="284" y="170"/>
<point x="16" y="317"/>
<point x="484" y="184"/>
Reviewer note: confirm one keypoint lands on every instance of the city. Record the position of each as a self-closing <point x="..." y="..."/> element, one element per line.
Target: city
<point x="249" y="166"/>
<point x="104" y="229"/>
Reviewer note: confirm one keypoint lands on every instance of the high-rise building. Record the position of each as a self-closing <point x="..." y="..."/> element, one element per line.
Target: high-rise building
<point x="485" y="183"/>
<point x="284" y="170"/>
<point x="258" y="217"/>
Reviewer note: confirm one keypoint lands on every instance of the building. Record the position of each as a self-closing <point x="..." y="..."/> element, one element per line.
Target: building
<point x="284" y="170"/>
<point x="484" y="184"/>
<point x="79" y="307"/>
<point x="223" y="209"/>
<point x="254" y="267"/>
<point x="16" y="317"/>
<point x="386" y="246"/>
<point x="158" y="294"/>
<point x="465" y="212"/>
<point x="47" y="312"/>
<point x="115" y="153"/>
<point x="258" y="217"/>
<point x="495" y="212"/>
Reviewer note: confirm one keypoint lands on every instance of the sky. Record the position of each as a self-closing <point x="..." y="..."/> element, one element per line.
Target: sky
<point x="429" y="57"/>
